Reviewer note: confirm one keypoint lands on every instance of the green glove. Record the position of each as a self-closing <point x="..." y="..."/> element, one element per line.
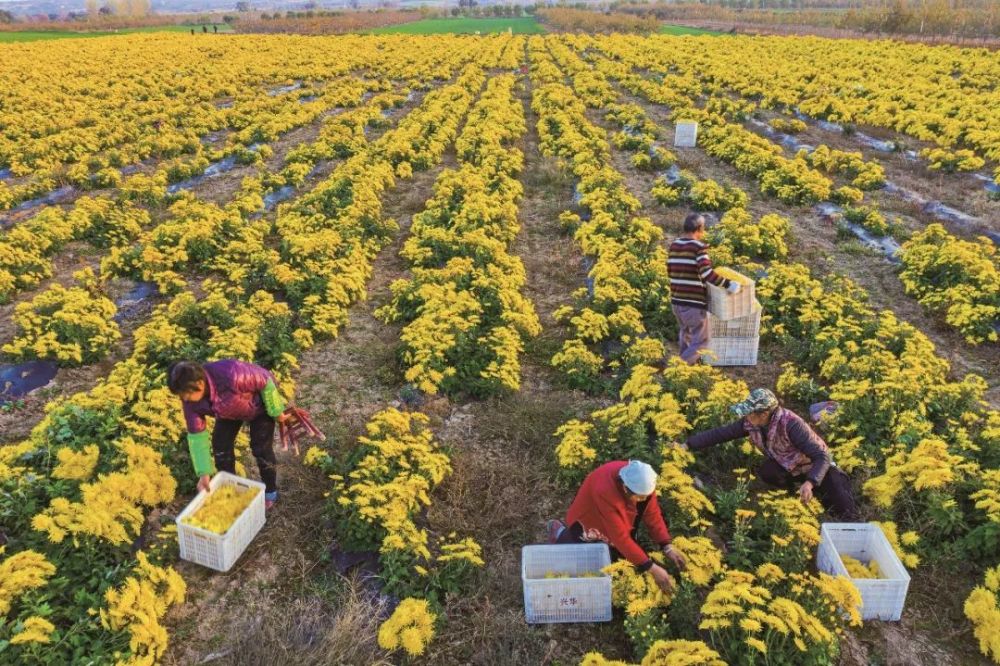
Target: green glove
<point x="273" y="402"/>
<point x="200" y="447"/>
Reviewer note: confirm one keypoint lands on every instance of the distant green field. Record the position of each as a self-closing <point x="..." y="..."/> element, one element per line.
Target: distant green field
<point x="29" y="36"/>
<point x="667" y="29"/>
<point x="527" y="25"/>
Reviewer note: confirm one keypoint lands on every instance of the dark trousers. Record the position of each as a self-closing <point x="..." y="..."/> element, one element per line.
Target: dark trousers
<point x="574" y="533"/>
<point x="834" y="493"/>
<point x="261" y="444"/>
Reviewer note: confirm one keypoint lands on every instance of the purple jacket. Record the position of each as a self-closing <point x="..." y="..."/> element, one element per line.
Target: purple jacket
<point x="789" y="441"/>
<point x="232" y="392"/>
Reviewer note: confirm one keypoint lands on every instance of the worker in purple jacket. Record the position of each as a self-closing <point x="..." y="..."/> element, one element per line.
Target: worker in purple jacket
<point x="233" y="392"/>
<point x="794" y="453"/>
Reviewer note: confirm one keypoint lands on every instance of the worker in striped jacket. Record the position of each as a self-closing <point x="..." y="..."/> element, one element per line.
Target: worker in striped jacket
<point x="690" y="268"/>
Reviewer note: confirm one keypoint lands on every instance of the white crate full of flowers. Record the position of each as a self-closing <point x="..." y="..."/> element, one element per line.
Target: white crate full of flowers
<point x="220" y="550"/>
<point x="882" y="597"/>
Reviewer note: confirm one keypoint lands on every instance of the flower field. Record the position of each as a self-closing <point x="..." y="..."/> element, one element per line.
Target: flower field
<point x="451" y="250"/>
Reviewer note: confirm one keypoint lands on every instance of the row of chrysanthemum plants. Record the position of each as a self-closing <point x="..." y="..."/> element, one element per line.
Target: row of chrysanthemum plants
<point x="77" y="324"/>
<point x="619" y="318"/>
<point x="950" y="277"/>
<point x="464" y="323"/>
<point x="117" y="218"/>
<point x="465" y="318"/>
<point x="77" y="491"/>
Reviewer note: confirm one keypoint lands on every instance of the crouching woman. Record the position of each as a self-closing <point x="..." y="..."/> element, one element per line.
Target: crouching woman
<point x="794" y="453"/>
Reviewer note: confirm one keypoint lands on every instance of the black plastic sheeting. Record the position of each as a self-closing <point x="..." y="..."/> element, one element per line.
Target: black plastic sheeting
<point x="887" y="245"/>
<point x="820" y="410"/>
<point x="53" y="197"/>
<point x="988" y="183"/>
<point x="931" y="207"/>
<point x="214" y="169"/>
<point x="787" y="140"/>
<point x="368" y="571"/>
<point x="273" y="198"/>
<point x="135" y="301"/>
<point x="671" y="175"/>
<point x="281" y="90"/>
<point x="19" y="379"/>
<point x="876" y="144"/>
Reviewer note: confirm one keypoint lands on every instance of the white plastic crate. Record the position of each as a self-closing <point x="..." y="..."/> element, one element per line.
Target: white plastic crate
<point x="725" y="305"/>
<point x="734" y="341"/>
<point x="686" y="134"/>
<point x="571" y="599"/>
<point x="726" y="352"/>
<point x="746" y="326"/>
<point x="220" y="551"/>
<point x="882" y="598"/>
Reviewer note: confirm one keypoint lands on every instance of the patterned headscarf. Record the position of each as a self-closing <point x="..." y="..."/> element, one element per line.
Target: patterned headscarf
<point x="760" y="399"/>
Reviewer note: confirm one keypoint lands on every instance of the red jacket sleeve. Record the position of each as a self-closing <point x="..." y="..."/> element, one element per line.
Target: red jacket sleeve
<point x="653" y="519"/>
<point x="618" y="531"/>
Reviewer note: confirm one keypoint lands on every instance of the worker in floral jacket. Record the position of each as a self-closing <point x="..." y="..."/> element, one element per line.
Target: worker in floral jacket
<point x="609" y="506"/>
<point x="794" y="453"/>
<point x="233" y="392"/>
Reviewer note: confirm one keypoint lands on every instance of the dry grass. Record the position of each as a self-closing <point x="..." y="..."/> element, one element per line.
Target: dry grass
<point x="329" y="628"/>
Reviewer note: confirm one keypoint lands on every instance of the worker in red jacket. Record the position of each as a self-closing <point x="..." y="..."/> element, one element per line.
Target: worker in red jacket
<point x="612" y="501"/>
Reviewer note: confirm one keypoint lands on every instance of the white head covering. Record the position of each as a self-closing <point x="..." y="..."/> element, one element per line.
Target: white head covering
<point x="638" y="477"/>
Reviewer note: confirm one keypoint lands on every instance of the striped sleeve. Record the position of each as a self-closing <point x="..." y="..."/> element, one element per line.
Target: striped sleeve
<point x="689" y="268"/>
<point x="705" y="270"/>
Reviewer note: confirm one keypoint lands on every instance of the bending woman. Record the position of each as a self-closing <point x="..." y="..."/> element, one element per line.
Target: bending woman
<point x="233" y="392"/>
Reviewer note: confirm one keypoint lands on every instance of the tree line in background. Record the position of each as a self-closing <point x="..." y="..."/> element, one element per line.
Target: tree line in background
<point x="318" y="22"/>
<point x="947" y="18"/>
<point x="587" y="20"/>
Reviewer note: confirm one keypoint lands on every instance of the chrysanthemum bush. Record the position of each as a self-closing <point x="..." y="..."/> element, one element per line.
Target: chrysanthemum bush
<point x="377" y="496"/>
<point x="983" y="610"/>
<point x="409" y="628"/>
<point x="379" y="493"/>
<point x="71" y="326"/>
<point x="956" y="279"/>
<point x="865" y="175"/>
